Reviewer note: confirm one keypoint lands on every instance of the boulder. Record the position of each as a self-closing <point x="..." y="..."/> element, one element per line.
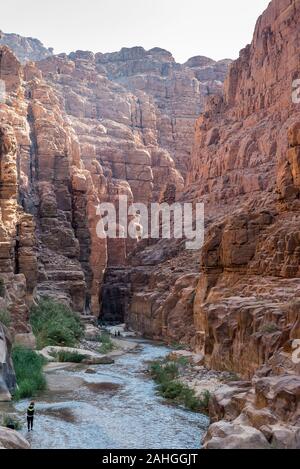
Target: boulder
<point x="25" y="340"/>
<point x="226" y="435"/>
<point x="92" y="333"/>
<point x="11" y="439"/>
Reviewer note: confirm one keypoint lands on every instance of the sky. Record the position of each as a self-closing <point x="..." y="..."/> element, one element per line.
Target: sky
<point x="214" y="28"/>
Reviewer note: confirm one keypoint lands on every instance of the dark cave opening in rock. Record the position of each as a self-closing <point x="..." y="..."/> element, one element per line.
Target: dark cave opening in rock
<point x="115" y="296"/>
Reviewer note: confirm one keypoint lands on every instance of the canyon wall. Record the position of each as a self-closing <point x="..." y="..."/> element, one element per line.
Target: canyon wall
<point x="25" y="48"/>
<point x="84" y="128"/>
<point x="238" y="300"/>
<point x="78" y="130"/>
<point x="244" y="167"/>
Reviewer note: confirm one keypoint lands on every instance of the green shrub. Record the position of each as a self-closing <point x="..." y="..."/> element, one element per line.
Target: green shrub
<point x="5" y="317"/>
<point x="162" y="373"/>
<point x="71" y="357"/>
<point x="2" y="288"/>
<point x="183" y="362"/>
<point x="106" y="343"/>
<point x="55" y="324"/>
<point x="166" y="377"/>
<point x="171" y="389"/>
<point x="10" y="421"/>
<point x="191" y="401"/>
<point x="192" y="298"/>
<point x="29" y="372"/>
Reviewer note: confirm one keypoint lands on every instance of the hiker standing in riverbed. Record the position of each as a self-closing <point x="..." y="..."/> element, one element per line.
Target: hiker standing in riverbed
<point x="30" y="416"/>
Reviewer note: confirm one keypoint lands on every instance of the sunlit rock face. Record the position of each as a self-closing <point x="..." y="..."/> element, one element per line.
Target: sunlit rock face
<point x="245" y="168"/>
<point x="80" y="129"/>
<point x="43" y="192"/>
<point x="89" y="128"/>
<point x="25" y="48"/>
<point x="237" y="301"/>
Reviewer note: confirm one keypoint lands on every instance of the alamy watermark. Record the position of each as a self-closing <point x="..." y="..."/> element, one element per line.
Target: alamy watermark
<point x="296" y="91"/>
<point x="2" y="92"/>
<point x="154" y="221"/>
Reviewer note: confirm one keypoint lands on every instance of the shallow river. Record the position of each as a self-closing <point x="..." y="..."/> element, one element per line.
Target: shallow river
<point x="115" y="408"/>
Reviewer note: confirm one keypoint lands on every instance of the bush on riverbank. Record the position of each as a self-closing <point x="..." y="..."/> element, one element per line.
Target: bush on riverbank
<point x="69" y="357"/>
<point x="55" y="324"/>
<point x="10" y="421"/>
<point x="166" y="376"/>
<point x="29" y="372"/>
<point x="106" y="343"/>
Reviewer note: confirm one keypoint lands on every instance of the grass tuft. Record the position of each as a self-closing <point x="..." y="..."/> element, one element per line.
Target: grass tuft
<point x="10" y="421"/>
<point x="106" y="343"/>
<point x="177" y="346"/>
<point x="69" y="357"/>
<point x="270" y="328"/>
<point x="55" y="324"/>
<point x="166" y="377"/>
<point x="29" y="372"/>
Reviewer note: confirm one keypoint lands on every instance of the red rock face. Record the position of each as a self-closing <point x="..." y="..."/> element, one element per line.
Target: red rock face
<point x="80" y="129"/>
<point x="89" y="129"/>
<point x="245" y="167"/>
<point x="241" y="138"/>
<point x="245" y="163"/>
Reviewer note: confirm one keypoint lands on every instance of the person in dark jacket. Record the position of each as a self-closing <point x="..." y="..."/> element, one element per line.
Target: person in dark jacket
<point x="30" y="416"/>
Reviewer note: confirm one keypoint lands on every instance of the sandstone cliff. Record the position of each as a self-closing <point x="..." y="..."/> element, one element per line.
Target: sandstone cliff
<point x="83" y="129"/>
<point x="244" y="162"/>
<point x="241" y="309"/>
<point x="25" y="48"/>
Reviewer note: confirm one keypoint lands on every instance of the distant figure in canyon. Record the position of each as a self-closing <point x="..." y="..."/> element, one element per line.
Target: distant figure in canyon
<point x="30" y="416"/>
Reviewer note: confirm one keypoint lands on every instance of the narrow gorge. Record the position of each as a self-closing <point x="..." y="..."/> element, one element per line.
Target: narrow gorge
<point x="81" y="129"/>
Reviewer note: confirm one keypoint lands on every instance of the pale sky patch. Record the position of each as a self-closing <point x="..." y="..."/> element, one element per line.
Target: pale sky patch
<point x="215" y="28"/>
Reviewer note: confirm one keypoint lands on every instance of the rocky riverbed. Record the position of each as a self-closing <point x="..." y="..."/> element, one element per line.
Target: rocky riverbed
<point x="109" y="406"/>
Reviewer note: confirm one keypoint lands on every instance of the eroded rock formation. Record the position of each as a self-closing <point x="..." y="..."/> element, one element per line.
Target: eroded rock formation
<point x="242" y="305"/>
<point x="247" y="302"/>
<point x="84" y="129"/>
<point x="25" y="48"/>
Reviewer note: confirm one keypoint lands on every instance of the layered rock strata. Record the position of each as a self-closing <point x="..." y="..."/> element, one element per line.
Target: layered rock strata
<point x="85" y="128"/>
<point x="245" y="296"/>
<point x="25" y="48"/>
<point x="90" y="128"/>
